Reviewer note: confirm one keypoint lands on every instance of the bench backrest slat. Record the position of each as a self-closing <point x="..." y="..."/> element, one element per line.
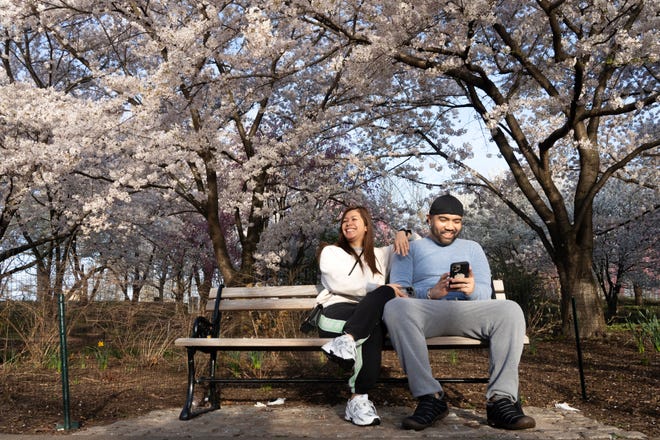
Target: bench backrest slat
<point x="282" y="297"/>
<point x="268" y="304"/>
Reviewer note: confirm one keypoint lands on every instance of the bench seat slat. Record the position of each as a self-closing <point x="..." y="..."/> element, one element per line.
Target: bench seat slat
<point x="252" y="343"/>
<point x="283" y="344"/>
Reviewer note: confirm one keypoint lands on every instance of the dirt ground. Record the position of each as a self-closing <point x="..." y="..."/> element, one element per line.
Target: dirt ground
<point x="621" y="386"/>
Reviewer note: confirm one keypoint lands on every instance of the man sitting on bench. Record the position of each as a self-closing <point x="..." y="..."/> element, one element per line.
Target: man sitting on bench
<point x="411" y="320"/>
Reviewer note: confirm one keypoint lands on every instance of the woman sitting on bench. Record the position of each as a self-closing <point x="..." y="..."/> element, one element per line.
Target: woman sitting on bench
<point x="353" y="273"/>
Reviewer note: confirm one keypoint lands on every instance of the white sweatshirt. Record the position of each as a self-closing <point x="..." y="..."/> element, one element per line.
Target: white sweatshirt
<point x="335" y="265"/>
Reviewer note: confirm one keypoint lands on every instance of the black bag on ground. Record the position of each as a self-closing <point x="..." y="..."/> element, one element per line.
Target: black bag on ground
<point x="310" y="323"/>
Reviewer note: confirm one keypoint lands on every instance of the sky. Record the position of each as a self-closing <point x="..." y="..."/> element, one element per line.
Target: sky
<point x="485" y="161"/>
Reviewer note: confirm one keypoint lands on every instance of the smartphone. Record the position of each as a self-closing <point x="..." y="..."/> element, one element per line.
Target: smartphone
<point x="410" y="291"/>
<point x="460" y="269"/>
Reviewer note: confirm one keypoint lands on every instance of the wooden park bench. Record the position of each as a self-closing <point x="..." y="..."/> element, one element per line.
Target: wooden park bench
<point x="206" y="337"/>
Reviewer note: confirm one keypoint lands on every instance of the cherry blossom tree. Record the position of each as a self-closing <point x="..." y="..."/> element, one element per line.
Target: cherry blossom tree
<point x="568" y="91"/>
<point x="238" y="110"/>
<point x="626" y="240"/>
<point x="43" y="202"/>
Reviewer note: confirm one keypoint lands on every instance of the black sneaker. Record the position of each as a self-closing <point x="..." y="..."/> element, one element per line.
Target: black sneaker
<point x="429" y="409"/>
<point x="505" y="414"/>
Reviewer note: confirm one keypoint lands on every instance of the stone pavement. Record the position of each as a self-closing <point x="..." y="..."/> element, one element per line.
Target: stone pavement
<point x="316" y="421"/>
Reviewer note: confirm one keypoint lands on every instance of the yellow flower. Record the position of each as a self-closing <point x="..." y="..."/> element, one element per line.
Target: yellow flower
<point x="100" y="344"/>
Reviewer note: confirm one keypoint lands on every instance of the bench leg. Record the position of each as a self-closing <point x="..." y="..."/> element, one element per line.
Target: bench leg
<point x="212" y="396"/>
<point x="186" y="412"/>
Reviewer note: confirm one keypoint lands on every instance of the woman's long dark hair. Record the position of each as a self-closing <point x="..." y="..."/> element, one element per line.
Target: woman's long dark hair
<point x="367" y="246"/>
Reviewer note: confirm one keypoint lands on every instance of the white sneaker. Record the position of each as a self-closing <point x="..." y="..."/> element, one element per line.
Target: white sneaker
<point x="341" y="349"/>
<point x="361" y="411"/>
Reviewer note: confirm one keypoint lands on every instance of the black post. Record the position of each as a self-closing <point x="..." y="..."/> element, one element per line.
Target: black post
<point x="579" y="350"/>
<point x="64" y="364"/>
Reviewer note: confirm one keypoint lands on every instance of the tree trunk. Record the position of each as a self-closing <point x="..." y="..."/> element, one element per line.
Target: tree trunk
<point x="123" y="285"/>
<point x="612" y="292"/>
<point x="43" y="283"/>
<point x="180" y="286"/>
<point x="578" y="282"/>
<point x="161" y="280"/>
<point x="231" y="276"/>
<point x="613" y="302"/>
<point x="639" y="294"/>
<point x="210" y="211"/>
<point x="137" y="290"/>
<point x="204" y="279"/>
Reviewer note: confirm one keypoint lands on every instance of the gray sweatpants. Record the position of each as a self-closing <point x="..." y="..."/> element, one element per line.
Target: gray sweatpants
<point x="410" y="321"/>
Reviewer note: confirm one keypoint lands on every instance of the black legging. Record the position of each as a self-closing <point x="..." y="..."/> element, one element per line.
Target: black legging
<point x="363" y="321"/>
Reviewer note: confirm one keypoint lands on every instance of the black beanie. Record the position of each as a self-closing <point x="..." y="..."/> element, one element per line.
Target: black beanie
<point x="446" y="205"/>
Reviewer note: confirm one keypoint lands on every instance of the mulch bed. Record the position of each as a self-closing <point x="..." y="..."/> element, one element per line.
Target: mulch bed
<point x="621" y="386"/>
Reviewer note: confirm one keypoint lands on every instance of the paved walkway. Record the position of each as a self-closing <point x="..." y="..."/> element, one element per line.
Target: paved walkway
<point x="315" y="421"/>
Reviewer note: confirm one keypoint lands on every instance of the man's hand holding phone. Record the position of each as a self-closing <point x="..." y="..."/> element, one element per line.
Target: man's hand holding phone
<point x="440" y="289"/>
<point x="459" y="279"/>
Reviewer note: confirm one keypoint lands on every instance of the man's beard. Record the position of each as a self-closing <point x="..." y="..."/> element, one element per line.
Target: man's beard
<point x="442" y="241"/>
